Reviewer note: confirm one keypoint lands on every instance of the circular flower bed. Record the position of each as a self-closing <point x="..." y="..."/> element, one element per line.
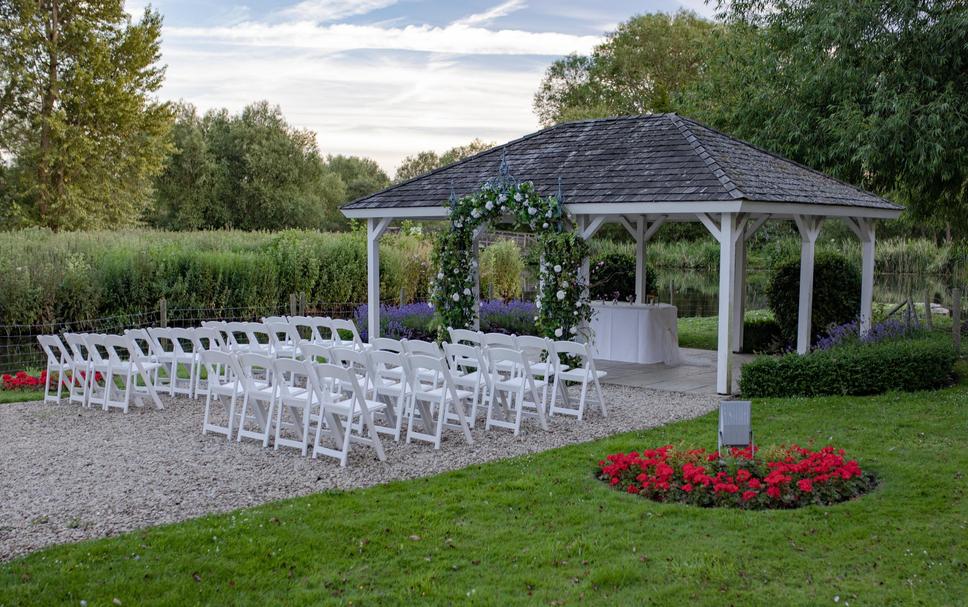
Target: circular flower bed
<point x="774" y="477"/>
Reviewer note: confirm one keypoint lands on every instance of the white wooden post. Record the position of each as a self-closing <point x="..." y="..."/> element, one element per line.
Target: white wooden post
<point x="864" y="229"/>
<point x="640" y="271"/>
<point x="739" y="310"/>
<point x="866" y="274"/>
<point x="727" y="232"/>
<point x="374" y="229"/>
<point x="809" y="228"/>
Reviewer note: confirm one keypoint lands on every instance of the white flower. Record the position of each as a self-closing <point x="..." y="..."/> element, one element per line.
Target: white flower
<point x="558" y="332"/>
<point x="537" y="304"/>
<point x="564" y="284"/>
<point x="557" y="268"/>
<point x="573" y="330"/>
<point x="455" y="297"/>
<point x="545" y="225"/>
<point x="504" y="209"/>
<point x="475" y="213"/>
<point x="440" y="275"/>
<point x="502" y="198"/>
<point x="560" y="295"/>
<point x="467" y="291"/>
<point x="548" y="214"/>
<point x="518" y="197"/>
<point x="489" y="205"/>
<point x="457" y="224"/>
<point x="532" y="210"/>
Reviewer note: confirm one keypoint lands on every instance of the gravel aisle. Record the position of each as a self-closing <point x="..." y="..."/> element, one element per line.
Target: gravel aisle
<point x="69" y="474"/>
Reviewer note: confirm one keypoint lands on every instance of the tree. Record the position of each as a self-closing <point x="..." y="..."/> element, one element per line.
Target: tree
<point x="250" y="171"/>
<point x="426" y="161"/>
<point x="870" y="92"/>
<point x="641" y="68"/>
<point x="78" y="123"/>
<point x="361" y="176"/>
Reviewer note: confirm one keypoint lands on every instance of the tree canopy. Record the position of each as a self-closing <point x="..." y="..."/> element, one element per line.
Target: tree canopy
<point x="81" y="133"/>
<point x="641" y="68"/>
<point x="426" y="161"/>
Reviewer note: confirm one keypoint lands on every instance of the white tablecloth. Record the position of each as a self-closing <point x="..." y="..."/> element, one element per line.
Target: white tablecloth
<point x="639" y="333"/>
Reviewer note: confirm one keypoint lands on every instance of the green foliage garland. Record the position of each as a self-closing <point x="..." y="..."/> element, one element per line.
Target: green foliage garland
<point x="562" y="306"/>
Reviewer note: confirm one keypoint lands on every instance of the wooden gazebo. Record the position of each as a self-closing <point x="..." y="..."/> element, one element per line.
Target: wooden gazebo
<point x="643" y="172"/>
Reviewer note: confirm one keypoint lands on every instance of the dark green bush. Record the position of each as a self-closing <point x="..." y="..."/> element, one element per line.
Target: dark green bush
<point x="908" y="364"/>
<point x="762" y="335"/>
<point x="836" y="294"/>
<point x="613" y="277"/>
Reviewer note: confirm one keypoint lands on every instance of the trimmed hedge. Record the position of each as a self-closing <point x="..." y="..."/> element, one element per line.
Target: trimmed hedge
<point x="836" y="294"/>
<point x="923" y="363"/>
<point x="762" y="335"/>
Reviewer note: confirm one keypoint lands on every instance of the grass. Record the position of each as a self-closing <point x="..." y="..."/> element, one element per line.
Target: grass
<point x="702" y="332"/>
<point x="542" y="530"/>
<point x="20" y="396"/>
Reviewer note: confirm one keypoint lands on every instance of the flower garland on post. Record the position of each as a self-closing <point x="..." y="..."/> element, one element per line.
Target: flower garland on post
<point x="562" y="302"/>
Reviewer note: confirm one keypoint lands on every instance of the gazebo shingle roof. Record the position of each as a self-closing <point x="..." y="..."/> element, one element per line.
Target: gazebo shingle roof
<point x="659" y="158"/>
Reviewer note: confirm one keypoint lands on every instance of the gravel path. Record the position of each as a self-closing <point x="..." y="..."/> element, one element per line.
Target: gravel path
<point x="69" y="474"/>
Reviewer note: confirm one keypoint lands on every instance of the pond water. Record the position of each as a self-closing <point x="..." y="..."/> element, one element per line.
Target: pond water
<point x="696" y="293"/>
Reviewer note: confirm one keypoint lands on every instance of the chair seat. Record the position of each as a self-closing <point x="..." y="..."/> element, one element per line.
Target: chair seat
<point x="350" y="406"/>
<point x="546" y="368"/>
<point x="228" y="389"/>
<point x="581" y="374"/>
<point x="436" y="393"/>
<point x="515" y="383"/>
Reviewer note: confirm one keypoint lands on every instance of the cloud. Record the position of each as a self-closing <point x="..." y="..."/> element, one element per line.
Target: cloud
<point x="451" y="39"/>
<point x="501" y="10"/>
<point x="331" y="10"/>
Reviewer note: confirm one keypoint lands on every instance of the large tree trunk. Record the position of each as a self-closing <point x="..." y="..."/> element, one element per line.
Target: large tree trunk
<point x="44" y="179"/>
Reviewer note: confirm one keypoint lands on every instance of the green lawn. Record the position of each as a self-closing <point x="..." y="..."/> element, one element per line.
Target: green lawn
<point x="702" y="331"/>
<point x="542" y="530"/>
<point x="19" y="396"/>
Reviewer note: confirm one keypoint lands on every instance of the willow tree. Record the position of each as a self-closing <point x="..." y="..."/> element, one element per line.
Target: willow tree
<point x="80" y="128"/>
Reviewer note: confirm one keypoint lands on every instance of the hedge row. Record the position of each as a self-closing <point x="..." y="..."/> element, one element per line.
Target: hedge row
<point x="48" y="278"/>
<point x="922" y="363"/>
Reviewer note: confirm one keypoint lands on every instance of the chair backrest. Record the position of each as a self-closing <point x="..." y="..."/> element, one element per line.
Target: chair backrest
<point x="735" y="422"/>
<point x="322" y="330"/>
<point x="519" y="362"/>
<point x="221" y="367"/>
<point x="387" y="344"/>
<point x="434" y="364"/>
<point x="272" y="320"/>
<point x="333" y="382"/>
<point x="77" y="345"/>
<point x="96" y="350"/>
<point x="142" y="342"/>
<point x="207" y="338"/>
<point x="467" y="359"/>
<point x="283" y="338"/>
<point x="256" y="367"/>
<point x="305" y="328"/>
<point x="54" y="349"/>
<point x="466" y="336"/>
<point x="574" y="348"/>
<point x="119" y="348"/>
<point x="355" y="360"/>
<point x="385" y="368"/>
<point x="346" y="326"/>
<point x="313" y="352"/>
<point x="418" y="346"/>
<point x="536" y="349"/>
<point x="258" y="336"/>
<point x="291" y="375"/>
<point x="184" y="340"/>
<point x="500" y="340"/>
<point x="162" y="340"/>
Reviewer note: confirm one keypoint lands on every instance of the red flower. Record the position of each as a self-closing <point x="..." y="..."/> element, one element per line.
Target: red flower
<point x="805" y="485"/>
<point x="773" y="492"/>
<point x="748" y="495"/>
<point x="687" y="488"/>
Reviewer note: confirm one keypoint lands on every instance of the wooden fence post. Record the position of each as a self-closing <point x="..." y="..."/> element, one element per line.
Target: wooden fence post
<point x="956" y="318"/>
<point x="302" y="303"/>
<point x="292" y="304"/>
<point x="163" y="312"/>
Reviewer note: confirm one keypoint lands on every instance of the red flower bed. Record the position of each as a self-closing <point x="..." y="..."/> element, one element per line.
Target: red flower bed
<point x="24" y="381"/>
<point x="776" y="477"/>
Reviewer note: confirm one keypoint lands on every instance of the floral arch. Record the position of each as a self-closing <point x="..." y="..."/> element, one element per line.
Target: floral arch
<point x="563" y="310"/>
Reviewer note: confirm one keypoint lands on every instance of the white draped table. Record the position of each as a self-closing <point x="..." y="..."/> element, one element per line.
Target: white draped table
<point x="637" y="333"/>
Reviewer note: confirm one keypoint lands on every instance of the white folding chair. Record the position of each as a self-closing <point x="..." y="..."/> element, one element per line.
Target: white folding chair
<point x="259" y="400"/>
<point x="418" y="346"/>
<point x="204" y="339"/>
<point x="284" y="340"/>
<point x="518" y="392"/>
<point x="466" y="337"/>
<point x="294" y="396"/>
<point x="340" y="328"/>
<point x="127" y="365"/>
<point x="323" y="331"/>
<point x="225" y="378"/>
<point x="80" y="363"/>
<point x="166" y="352"/>
<point x="431" y="406"/>
<point x="468" y="368"/>
<point x="389" y="386"/>
<point x="387" y="344"/>
<point x="273" y="320"/>
<point x="357" y="362"/>
<point x="99" y="374"/>
<point x="584" y="373"/>
<point x="314" y="353"/>
<point x="543" y="360"/>
<point x="58" y="363"/>
<point x="259" y="340"/>
<point x="305" y="327"/>
<point x="343" y="406"/>
<point x="184" y="355"/>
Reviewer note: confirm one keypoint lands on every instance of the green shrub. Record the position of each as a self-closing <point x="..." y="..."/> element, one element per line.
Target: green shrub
<point x="762" y="334"/>
<point x="857" y="369"/>
<point x="836" y="294"/>
<point x="501" y="269"/>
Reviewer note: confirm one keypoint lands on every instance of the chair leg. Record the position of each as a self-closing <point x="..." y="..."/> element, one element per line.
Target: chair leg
<point x="584" y="394"/>
<point x="601" y="399"/>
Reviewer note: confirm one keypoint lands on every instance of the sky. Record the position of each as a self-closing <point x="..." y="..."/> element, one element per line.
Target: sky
<point x="382" y="78"/>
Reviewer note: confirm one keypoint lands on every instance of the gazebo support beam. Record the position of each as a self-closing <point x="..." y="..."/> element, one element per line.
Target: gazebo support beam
<point x="476" y="256"/>
<point x="739" y="310"/>
<point x="864" y="229"/>
<point x="644" y="231"/>
<point x="809" y="227"/>
<point x="727" y="230"/>
<point x="375" y="227"/>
